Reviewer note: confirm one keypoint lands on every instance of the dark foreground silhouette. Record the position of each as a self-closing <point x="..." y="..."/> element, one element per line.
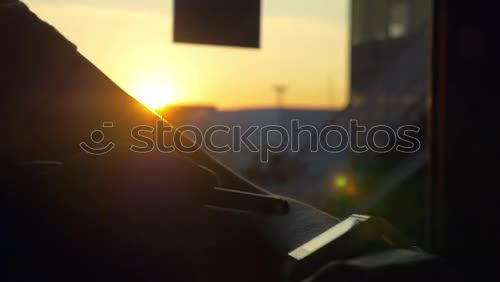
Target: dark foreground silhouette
<point x="70" y="216"/>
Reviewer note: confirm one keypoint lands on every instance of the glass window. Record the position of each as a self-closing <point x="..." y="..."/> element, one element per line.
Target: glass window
<point x="337" y="91"/>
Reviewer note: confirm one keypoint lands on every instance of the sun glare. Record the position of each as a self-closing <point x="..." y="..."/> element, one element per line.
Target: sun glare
<point x="155" y="94"/>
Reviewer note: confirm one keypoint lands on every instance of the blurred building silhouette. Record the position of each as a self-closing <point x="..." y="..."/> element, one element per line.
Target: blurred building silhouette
<point x="390" y="82"/>
<point x="388" y="19"/>
<point x="390" y="59"/>
<point x="185" y="114"/>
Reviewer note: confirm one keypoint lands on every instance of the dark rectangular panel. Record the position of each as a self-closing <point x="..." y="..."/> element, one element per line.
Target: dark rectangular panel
<point x="218" y="22"/>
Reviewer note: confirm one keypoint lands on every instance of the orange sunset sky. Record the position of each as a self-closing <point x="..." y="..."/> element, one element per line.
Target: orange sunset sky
<point x="304" y="45"/>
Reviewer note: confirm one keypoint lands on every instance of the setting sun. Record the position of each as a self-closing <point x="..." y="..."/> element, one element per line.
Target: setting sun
<point x="154" y="94"/>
